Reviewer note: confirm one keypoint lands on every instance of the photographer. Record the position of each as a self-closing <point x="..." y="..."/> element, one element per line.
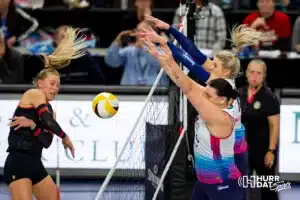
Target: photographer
<point x="140" y="68"/>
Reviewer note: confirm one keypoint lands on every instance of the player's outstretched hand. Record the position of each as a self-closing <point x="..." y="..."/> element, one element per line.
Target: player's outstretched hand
<point x="157" y="22"/>
<point x="68" y="144"/>
<point x="151" y="35"/>
<point x="162" y="53"/>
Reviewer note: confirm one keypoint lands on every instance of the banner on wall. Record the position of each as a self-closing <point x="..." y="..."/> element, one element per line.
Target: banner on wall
<point x="289" y="140"/>
<point x="97" y="141"/>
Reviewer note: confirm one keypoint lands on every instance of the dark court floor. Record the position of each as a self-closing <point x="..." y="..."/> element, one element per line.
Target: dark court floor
<point x="88" y="191"/>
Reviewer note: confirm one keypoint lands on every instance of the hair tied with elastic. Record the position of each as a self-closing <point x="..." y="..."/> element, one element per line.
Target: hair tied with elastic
<point x="234" y="93"/>
<point x="235" y="52"/>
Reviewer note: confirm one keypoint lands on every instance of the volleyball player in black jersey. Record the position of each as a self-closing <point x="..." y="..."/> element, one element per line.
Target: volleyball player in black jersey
<point x="33" y="126"/>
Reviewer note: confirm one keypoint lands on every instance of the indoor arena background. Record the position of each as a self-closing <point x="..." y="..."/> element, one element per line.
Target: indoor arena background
<point x="35" y="22"/>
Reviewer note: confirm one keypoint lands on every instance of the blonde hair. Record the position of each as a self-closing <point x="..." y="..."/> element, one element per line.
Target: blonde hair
<point x="44" y="73"/>
<point x="72" y="46"/>
<point x="241" y="37"/>
<point x="61" y="28"/>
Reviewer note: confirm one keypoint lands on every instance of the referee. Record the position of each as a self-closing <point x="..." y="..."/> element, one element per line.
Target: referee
<point x="260" y="116"/>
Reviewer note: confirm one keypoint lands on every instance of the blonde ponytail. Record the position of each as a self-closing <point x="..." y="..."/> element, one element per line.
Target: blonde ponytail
<point x="243" y="35"/>
<point x="72" y="46"/>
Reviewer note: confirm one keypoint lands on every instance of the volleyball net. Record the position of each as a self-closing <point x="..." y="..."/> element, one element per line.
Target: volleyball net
<point x="151" y="151"/>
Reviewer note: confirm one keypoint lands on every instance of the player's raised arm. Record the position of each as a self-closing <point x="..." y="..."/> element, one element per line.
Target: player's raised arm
<point x="184" y="41"/>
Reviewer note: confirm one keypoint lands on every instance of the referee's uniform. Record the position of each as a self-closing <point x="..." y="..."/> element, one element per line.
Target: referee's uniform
<point x="255" y="119"/>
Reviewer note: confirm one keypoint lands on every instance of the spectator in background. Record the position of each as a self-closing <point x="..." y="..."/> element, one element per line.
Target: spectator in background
<point x="283" y="3"/>
<point x="83" y="70"/>
<point x="260" y="116"/>
<point x="132" y="19"/>
<point x="140" y="68"/>
<point x="11" y="64"/>
<point x="294" y="4"/>
<point x="210" y="27"/>
<point x="15" y="23"/>
<point x="279" y="4"/>
<point x="275" y="24"/>
<point x="77" y="3"/>
<point x="296" y="36"/>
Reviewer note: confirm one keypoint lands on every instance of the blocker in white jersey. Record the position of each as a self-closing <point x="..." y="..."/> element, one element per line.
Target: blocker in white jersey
<point x="237" y="112"/>
<point x="240" y="146"/>
<point x="214" y="157"/>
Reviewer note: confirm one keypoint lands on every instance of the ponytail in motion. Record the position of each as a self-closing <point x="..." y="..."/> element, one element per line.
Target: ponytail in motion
<point x="72" y="46"/>
<point x="241" y="37"/>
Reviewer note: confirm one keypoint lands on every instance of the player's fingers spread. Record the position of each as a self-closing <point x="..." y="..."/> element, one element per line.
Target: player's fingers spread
<point x="143" y="41"/>
<point x="148" y="44"/>
<point x="165" y="48"/>
<point x="162" y="50"/>
<point x="152" y="19"/>
<point x="17" y="127"/>
<point x="144" y="30"/>
<point x="152" y="52"/>
<point x="14" y="123"/>
<point x="13" y="118"/>
<point x="149" y="18"/>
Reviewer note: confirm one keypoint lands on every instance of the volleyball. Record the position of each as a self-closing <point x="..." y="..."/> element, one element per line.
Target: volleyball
<point x="105" y="105"/>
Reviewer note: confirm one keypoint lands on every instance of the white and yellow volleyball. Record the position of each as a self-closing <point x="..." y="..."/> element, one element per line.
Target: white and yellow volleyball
<point x="105" y="105"/>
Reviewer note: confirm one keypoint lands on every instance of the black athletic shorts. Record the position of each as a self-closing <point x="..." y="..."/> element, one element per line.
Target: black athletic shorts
<point x="21" y="165"/>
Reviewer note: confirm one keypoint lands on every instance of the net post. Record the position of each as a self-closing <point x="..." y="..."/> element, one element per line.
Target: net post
<point x="188" y="108"/>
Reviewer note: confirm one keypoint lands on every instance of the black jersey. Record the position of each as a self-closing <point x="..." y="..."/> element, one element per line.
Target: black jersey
<point x="255" y="118"/>
<point x="26" y="140"/>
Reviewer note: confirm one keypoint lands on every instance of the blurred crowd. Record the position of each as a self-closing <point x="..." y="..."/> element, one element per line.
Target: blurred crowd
<point x="224" y="4"/>
<point x="19" y="29"/>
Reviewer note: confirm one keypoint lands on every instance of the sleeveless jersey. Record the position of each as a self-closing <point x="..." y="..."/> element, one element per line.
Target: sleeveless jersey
<point x="240" y="138"/>
<point x="214" y="157"/>
<point x="23" y="139"/>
